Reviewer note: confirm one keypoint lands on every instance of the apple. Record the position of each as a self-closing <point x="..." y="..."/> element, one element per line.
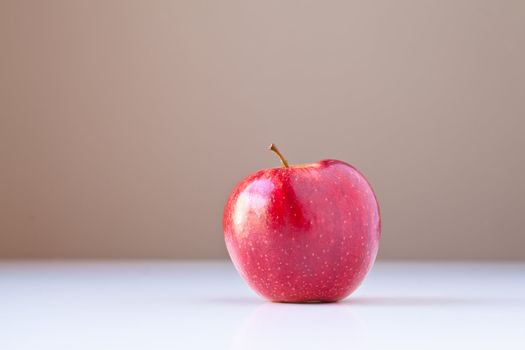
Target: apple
<point x="303" y="233"/>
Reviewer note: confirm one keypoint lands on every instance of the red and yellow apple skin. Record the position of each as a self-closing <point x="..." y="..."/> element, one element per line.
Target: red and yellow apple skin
<point x="306" y="233"/>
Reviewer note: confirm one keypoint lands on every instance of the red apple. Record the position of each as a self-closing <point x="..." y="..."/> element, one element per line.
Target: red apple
<point x="303" y="233"/>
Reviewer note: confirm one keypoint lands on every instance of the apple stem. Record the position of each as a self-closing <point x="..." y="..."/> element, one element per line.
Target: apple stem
<point x="279" y="154"/>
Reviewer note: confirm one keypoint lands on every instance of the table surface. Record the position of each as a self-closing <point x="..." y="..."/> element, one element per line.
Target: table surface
<point x="187" y="305"/>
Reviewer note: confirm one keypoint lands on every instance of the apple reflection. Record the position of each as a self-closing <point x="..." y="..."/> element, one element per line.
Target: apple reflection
<point x="293" y="326"/>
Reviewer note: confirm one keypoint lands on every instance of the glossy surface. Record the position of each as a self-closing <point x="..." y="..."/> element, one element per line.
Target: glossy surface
<point x="171" y="306"/>
<point x="300" y="234"/>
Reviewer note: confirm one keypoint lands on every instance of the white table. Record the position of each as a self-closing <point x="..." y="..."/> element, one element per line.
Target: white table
<point x="174" y="305"/>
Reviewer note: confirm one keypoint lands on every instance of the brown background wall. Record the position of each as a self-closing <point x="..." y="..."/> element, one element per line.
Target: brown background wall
<point x="125" y="124"/>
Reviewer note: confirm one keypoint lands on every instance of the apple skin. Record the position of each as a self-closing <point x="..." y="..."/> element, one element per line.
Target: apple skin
<point x="307" y="233"/>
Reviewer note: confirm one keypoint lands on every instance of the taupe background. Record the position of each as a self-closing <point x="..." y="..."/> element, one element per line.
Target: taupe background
<point x="125" y="124"/>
